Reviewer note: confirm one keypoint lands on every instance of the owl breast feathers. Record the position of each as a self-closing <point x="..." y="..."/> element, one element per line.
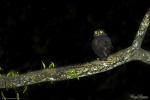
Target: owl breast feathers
<point x="101" y="44"/>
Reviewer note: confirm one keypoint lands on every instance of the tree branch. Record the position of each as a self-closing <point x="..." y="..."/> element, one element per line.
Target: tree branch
<point x="134" y="52"/>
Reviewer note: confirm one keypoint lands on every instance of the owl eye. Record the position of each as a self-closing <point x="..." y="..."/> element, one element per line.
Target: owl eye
<point x="101" y="31"/>
<point x="95" y="32"/>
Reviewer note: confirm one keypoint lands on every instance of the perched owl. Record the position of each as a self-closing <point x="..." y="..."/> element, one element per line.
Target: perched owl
<point x="101" y="44"/>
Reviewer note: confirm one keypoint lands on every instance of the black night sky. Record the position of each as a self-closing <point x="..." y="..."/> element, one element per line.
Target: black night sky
<point x="61" y="32"/>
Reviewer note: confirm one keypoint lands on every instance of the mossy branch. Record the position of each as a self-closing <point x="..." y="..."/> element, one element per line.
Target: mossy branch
<point x="134" y="52"/>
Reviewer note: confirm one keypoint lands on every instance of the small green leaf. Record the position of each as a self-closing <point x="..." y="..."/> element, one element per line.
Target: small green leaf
<point x="73" y="74"/>
<point x="17" y="95"/>
<point x="13" y="73"/>
<point x="51" y="65"/>
<point x="25" y="86"/>
<point x="8" y="74"/>
<point x="43" y="64"/>
<point x="35" y="78"/>
<point x="3" y="95"/>
<point x="1" y="68"/>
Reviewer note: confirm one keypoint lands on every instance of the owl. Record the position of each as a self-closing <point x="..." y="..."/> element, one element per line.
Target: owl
<point x="101" y="44"/>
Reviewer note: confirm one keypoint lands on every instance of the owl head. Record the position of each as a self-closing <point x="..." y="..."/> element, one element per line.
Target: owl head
<point x="99" y="32"/>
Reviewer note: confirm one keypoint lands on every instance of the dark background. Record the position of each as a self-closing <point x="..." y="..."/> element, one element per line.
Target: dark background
<point x="61" y="32"/>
